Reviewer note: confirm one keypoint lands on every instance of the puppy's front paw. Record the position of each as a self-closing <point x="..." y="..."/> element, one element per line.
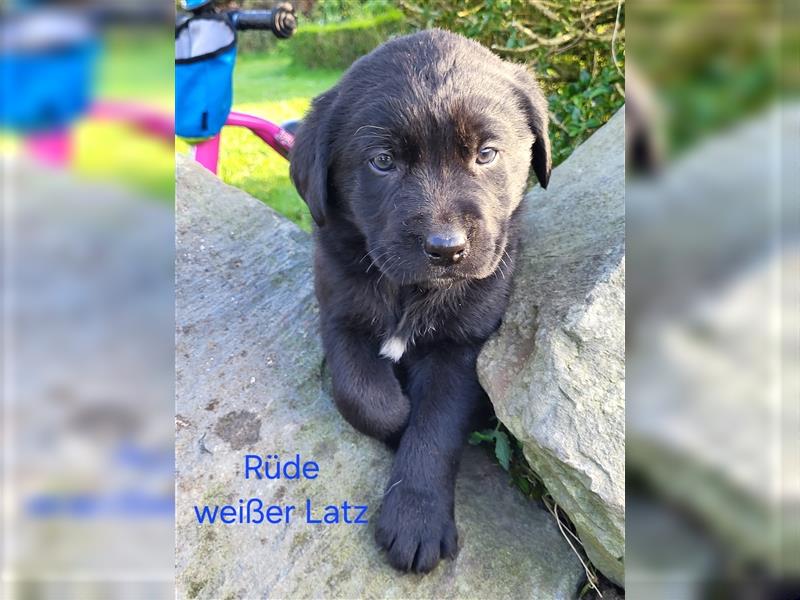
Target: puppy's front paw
<point x="416" y="528"/>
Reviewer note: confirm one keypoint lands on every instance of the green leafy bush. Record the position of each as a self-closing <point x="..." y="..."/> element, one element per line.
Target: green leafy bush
<point x="575" y="48"/>
<point x="333" y="11"/>
<point x="338" y="45"/>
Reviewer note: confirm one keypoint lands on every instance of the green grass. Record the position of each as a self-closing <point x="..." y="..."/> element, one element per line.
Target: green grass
<point x="136" y="67"/>
<point x="268" y="86"/>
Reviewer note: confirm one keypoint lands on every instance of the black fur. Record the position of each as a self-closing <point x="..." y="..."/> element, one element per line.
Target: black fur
<point x="431" y="101"/>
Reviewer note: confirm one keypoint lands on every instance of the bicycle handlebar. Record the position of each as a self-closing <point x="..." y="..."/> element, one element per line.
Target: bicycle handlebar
<point x="280" y="20"/>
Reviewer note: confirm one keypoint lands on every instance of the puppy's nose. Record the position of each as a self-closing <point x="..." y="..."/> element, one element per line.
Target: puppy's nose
<point x="445" y="248"/>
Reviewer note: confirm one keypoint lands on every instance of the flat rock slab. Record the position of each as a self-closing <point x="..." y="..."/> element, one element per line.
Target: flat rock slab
<point x="555" y="372"/>
<point x="251" y="379"/>
<point x="88" y="297"/>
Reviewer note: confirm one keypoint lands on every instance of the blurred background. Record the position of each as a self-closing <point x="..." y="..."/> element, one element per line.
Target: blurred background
<point x="713" y="469"/>
<point x="87" y="155"/>
<point x="713" y="379"/>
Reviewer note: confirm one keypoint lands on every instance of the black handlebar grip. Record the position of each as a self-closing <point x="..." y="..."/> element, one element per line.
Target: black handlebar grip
<point x="280" y="20"/>
<point x="285" y="21"/>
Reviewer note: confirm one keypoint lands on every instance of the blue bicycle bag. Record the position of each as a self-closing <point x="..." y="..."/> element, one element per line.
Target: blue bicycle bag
<point x="205" y="54"/>
<point x="47" y="66"/>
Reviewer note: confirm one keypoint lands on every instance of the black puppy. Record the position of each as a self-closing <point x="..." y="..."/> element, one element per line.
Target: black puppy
<point x="414" y="167"/>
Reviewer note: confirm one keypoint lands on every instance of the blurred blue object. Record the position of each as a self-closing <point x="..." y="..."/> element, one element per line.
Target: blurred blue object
<point x="47" y="61"/>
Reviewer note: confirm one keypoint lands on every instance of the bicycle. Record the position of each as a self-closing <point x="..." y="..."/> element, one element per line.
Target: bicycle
<point x="205" y="55"/>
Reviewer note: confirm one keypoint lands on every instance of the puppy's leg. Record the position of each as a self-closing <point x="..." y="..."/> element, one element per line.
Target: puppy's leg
<point x="416" y="525"/>
<point x="365" y="388"/>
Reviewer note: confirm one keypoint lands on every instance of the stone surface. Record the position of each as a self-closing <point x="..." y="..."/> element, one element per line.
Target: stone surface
<point x="555" y="371"/>
<point x="88" y="387"/>
<point x="713" y="363"/>
<point x="251" y="378"/>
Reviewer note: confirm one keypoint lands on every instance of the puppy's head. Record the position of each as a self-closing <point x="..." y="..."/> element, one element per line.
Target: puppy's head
<point x="425" y="147"/>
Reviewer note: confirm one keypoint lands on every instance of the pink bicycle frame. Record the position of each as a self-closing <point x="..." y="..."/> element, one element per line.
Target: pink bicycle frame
<point x="280" y="140"/>
<point x="50" y="148"/>
<point x="55" y="148"/>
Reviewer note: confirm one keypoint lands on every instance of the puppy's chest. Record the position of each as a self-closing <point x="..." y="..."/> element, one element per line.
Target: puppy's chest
<point x="413" y="316"/>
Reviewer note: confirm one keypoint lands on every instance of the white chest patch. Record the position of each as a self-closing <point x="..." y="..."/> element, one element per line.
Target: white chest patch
<point x="393" y="348"/>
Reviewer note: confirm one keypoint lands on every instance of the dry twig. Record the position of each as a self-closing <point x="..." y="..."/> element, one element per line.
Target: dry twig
<point x="590" y="575"/>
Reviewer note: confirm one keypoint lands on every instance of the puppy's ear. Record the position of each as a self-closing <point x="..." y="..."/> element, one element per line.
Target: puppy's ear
<point x="309" y="159"/>
<point x="535" y="106"/>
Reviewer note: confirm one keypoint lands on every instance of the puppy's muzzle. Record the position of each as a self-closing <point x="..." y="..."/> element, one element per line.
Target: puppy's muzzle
<point x="444" y="248"/>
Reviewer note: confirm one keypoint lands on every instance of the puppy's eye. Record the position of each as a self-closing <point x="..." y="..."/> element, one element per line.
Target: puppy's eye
<point x="486" y="156"/>
<point x="382" y="163"/>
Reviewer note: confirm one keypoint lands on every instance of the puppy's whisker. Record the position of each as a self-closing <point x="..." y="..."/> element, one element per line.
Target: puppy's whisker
<point x="387" y="266"/>
<point x="357" y="131"/>
<point x="376" y="249"/>
<point x="500" y="267"/>
<point x="503" y="263"/>
<point x="381" y="256"/>
<point x="368" y="254"/>
<point x="375" y="260"/>
<point x="373" y="141"/>
<point x="375" y="136"/>
<point x="391" y="263"/>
